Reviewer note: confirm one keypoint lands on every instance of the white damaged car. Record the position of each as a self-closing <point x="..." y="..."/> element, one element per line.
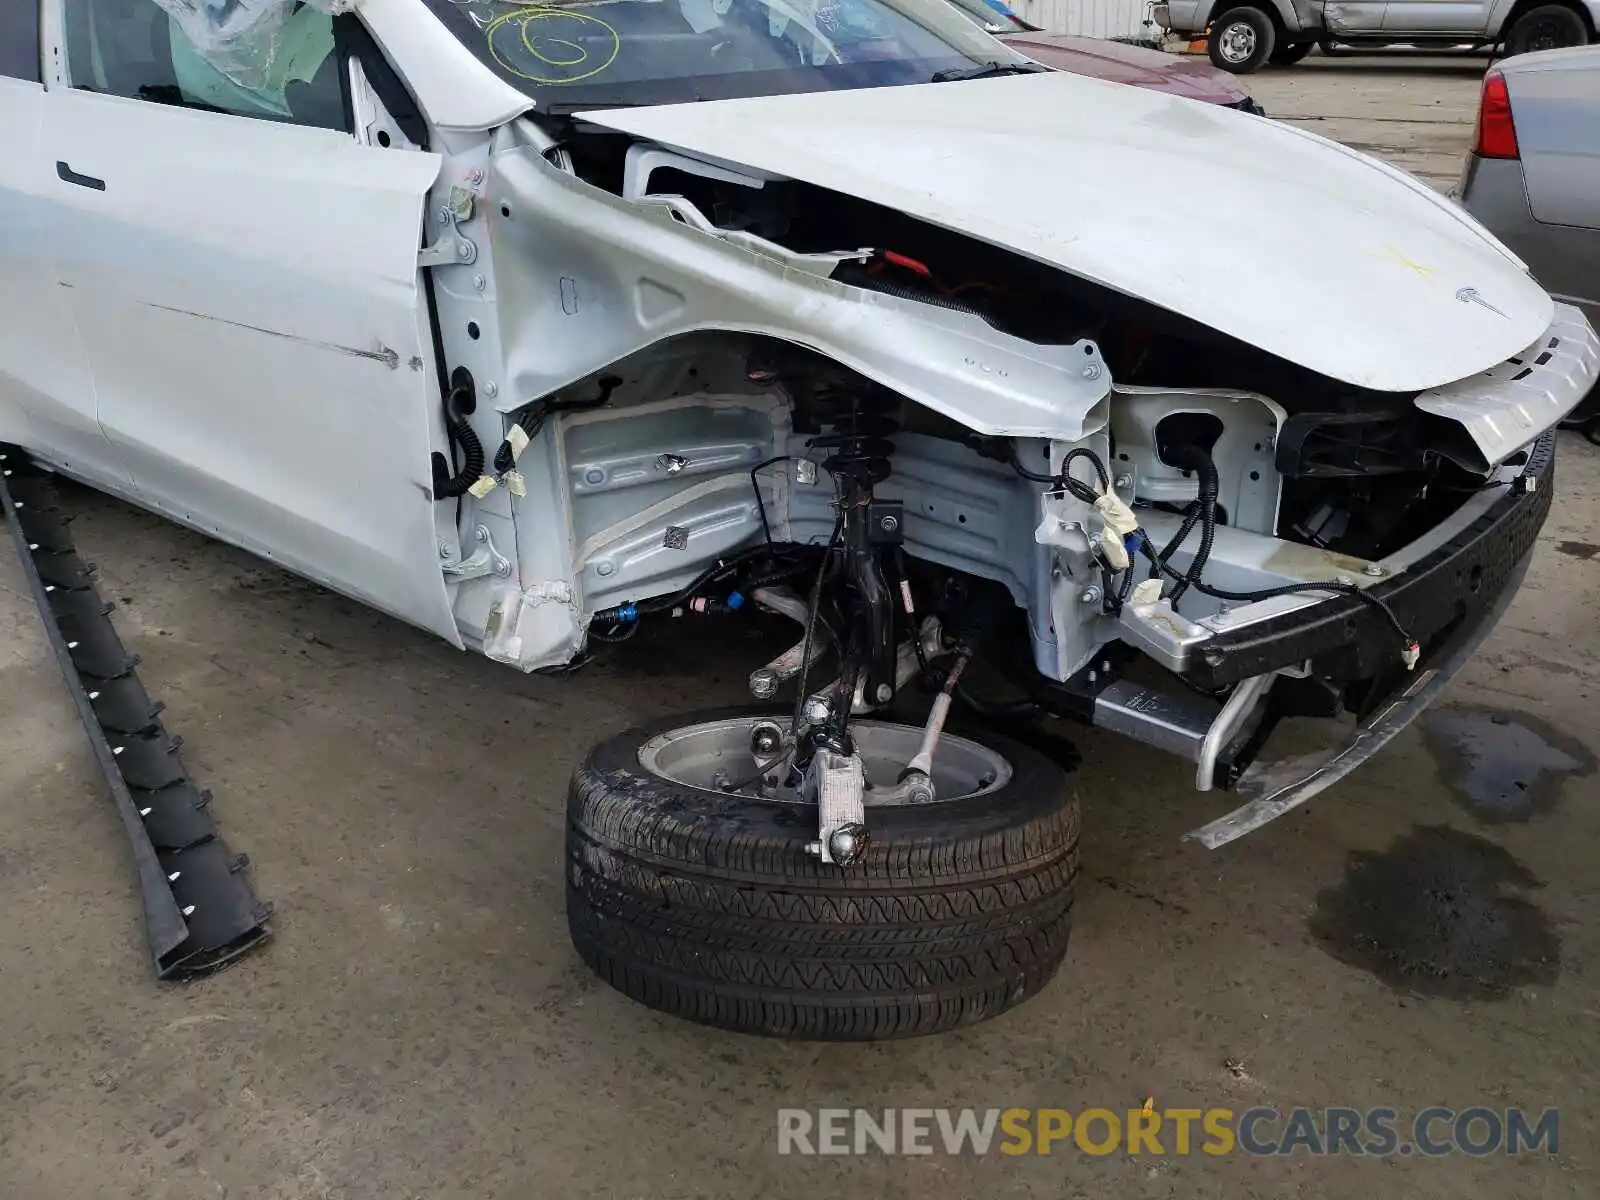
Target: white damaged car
<point x="530" y="325"/>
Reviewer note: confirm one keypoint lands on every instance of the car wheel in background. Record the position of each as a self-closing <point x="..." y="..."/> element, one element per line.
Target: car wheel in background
<point x="1290" y="53"/>
<point x="1241" y="40"/>
<point x="1548" y="27"/>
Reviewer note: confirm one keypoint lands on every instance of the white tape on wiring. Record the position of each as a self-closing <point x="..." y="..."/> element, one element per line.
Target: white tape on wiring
<point x="483" y="487"/>
<point x="1120" y="522"/>
<point x="517" y="439"/>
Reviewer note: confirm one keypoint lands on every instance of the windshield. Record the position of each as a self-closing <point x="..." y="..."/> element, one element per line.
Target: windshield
<point x="598" y="53"/>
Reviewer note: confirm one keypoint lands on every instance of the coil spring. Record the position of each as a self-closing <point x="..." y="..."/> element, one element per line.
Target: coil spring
<point x="862" y="422"/>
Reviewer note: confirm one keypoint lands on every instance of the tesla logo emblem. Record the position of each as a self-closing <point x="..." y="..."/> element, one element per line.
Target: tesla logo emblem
<point x="1469" y="295"/>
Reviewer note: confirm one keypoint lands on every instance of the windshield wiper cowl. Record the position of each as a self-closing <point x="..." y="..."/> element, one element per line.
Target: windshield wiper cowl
<point x="986" y="71"/>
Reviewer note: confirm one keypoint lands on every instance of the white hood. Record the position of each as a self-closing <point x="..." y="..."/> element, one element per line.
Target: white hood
<point x="1285" y="240"/>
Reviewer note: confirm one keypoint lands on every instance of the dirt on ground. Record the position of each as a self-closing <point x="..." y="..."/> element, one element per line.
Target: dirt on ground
<point x="420" y="1026"/>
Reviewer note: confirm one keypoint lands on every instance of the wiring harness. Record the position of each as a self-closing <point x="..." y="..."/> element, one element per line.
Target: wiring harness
<point x="1202" y="512"/>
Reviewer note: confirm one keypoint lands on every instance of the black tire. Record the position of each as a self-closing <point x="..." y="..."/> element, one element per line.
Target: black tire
<point x="1592" y="431"/>
<point x="1290" y="53"/>
<point x="707" y="905"/>
<point x="1241" y="40"/>
<point x="1548" y="27"/>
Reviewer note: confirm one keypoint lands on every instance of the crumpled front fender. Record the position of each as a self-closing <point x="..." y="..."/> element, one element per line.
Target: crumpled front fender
<point x="585" y="279"/>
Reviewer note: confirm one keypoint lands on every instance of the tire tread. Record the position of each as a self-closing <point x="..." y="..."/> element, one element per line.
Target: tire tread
<point x="706" y="906"/>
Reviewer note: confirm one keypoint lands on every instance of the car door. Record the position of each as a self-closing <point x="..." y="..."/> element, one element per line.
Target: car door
<point x="46" y="392"/>
<point x="1466" y="17"/>
<point x="1350" y="18"/>
<point x="243" y="272"/>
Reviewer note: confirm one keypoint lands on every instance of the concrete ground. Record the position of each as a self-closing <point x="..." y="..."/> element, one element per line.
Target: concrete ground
<point x="1413" y="111"/>
<point x="420" y="1027"/>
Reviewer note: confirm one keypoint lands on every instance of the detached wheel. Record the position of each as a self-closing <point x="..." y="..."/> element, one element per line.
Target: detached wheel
<point x="1241" y="40"/>
<point x="705" y="903"/>
<point x="1548" y="27"/>
<point x="1289" y="54"/>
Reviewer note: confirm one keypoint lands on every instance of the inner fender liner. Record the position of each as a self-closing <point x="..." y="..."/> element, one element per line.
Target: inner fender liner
<point x="200" y="912"/>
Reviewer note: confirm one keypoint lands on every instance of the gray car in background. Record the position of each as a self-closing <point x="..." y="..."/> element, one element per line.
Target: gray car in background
<point x="1533" y="176"/>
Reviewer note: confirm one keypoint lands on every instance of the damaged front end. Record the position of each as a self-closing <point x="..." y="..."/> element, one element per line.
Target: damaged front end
<point x="703" y="383"/>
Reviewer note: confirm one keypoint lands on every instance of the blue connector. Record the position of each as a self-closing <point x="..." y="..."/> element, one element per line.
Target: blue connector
<point x="735" y="601"/>
<point x="627" y="612"/>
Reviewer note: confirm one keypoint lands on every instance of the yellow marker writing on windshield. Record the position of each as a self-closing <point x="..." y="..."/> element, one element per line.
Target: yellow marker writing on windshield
<point x="536" y="28"/>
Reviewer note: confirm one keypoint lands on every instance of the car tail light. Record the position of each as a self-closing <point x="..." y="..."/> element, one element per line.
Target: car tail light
<point x="1496" y="135"/>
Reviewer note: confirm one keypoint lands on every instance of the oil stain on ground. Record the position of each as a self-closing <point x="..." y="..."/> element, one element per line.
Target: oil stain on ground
<point x="1438" y="914"/>
<point x="1502" y="766"/>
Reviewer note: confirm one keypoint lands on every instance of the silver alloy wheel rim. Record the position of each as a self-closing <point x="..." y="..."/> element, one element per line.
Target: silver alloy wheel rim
<point x="696" y="755"/>
<point x="1238" y="42"/>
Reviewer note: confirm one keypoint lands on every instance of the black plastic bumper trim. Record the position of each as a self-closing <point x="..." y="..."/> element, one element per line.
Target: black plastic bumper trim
<point x="200" y="912"/>
<point x="1350" y="640"/>
<point x="1271" y="789"/>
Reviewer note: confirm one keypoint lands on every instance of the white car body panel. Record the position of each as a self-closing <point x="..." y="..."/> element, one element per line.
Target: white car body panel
<point x="643" y="278"/>
<point x="248" y="297"/>
<point x="449" y="84"/>
<point x="1299" y="247"/>
<point x="46" y="392"/>
<point x="255" y="356"/>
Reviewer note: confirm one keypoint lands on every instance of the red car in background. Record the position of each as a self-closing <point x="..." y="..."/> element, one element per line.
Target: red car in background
<point x="1115" y="62"/>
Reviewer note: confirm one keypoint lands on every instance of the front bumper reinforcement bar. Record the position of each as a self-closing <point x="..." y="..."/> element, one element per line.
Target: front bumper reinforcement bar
<point x="1273" y="788"/>
<point x="1459" y="578"/>
<point x="1450" y="599"/>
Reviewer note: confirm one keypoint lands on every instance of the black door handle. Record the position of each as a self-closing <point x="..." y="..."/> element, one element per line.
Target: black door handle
<point x="67" y="175"/>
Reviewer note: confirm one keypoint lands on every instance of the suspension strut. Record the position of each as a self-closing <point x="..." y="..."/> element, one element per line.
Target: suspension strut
<point x="859" y="422"/>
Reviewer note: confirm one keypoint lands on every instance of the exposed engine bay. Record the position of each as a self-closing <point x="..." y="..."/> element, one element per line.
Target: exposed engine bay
<point x="1100" y="483"/>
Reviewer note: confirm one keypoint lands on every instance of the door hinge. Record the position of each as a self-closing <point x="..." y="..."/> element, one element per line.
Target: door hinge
<point x="485" y="560"/>
<point x="449" y="251"/>
<point x="453" y="248"/>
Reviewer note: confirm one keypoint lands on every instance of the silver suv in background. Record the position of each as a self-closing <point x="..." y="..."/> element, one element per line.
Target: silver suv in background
<point x="1245" y="37"/>
<point x="1533" y="176"/>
